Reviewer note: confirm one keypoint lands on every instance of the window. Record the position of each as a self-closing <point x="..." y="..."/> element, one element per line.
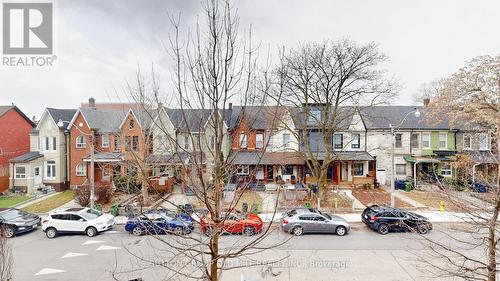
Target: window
<point x="105" y="140"/>
<point x="81" y="170"/>
<point x="128" y="142"/>
<point x="483" y="142"/>
<point x="467" y="142"/>
<point x="358" y="169"/>
<point x="242" y="170"/>
<point x="338" y="141"/>
<point x="401" y="169"/>
<point x="443" y="140"/>
<point x="243" y="140"/>
<point x="355" y="143"/>
<point x="414" y="141"/>
<point x="426" y="140"/>
<point x="50" y="169"/>
<point x="46" y="143"/>
<point x="135" y="143"/>
<point x="270" y="143"/>
<point x="314" y="117"/>
<point x="131" y="124"/>
<point x="80" y="142"/>
<point x="54" y="143"/>
<point x="259" y="140"/>
<point x="186" y="142"/>
<point x="117" y="143"/>
<point x="399" y="140"/>
<point x="286" y="140"/>
<point x="446" y="170"/>
<point x="20" y="172"/>
<point x="37" y="171"/>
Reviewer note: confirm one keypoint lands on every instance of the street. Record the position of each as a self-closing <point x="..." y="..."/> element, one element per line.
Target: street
<point x="361" y="255"/>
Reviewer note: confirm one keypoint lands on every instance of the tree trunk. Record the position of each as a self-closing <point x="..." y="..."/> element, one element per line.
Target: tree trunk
<point x="492" y="264"/>
<point x="214" y="246"/>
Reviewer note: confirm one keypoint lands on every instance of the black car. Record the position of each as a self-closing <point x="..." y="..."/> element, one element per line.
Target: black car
<point x="384" y="219"/>
<point x="14" y="221"/>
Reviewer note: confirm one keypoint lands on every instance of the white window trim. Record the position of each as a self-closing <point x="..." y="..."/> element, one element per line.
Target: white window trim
<point x="80" y="145"/>
<point x="419" y="142"/>
<point x="358" y="139"/>
<point x="245" y="170"/>
<point x="18" y="176"/>
<point x="470" y="142"/>
<point x="487" y="142"/>
<point x="53" y="141"/>
<point x="445" y="140"/>
<point x="81" y="172"/>
<point x="46" y="165"/>
<point x="428" y="140"/>
<point x="259" y="143"/>
<point x="364" y="172"/>
<point x="105" y="143"/>
<point x="450" y="170"/>
<point x="287" y="143"/>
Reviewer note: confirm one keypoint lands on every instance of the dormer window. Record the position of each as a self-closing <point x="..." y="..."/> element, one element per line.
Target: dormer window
<point x="314" y="117"/>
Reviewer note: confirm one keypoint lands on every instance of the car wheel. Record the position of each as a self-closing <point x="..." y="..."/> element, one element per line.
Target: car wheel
<point x="91" y="231"/>
<point x="51" y="232"/>
<point x="178" y="230"/>
<point x="298" y="230"/>
<point x="341" y="230"/>
<point x="248" y="231"/>
<point x="422" y="229"/>
<point x="137" y="231"/>
<point x="9" y="231"/>
<point x="383" y="229"/>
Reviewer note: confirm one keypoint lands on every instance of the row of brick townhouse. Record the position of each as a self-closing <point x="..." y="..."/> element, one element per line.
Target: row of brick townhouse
<point x="264" y="144"/>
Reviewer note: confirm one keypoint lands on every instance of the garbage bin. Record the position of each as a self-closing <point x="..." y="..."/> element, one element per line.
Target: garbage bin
<point x="114" y="210"/>
<point x="255" y="208"/>
<point x="399" y="184"/>
<point x="307" y="205"/>
<point x="408" y="186"/>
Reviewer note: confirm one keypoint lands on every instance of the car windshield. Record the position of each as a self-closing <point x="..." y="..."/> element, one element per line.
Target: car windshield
<point x="327" y="216"/>
<point x="12" y="214"/>
<point x="291" y="213"/>
<point x="91" y="214"/>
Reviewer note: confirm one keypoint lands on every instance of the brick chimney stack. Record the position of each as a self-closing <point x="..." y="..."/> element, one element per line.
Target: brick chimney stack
<point x="92" y="103"/>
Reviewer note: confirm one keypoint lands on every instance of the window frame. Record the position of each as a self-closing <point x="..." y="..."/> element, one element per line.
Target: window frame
<point x="286" y="140"/>
<point x="396" y="166"/>
<point x="448" y="171"/>
<point x="400" y="140"/>
<point x="20" y="175"/>
<point x="259" y="144"/>
<point x="356" y="144"/>
<point x="81" y="172"/>
<point x="105" y="140"/>
<point x="243" y="170"/>
<point x="355" y="165"/>
<point x="52" y="165"/>
<point x="79" y="144"/>
<point x="413" y="142"/>
<point x="428" y="137"/>
<point x="338" y="145"/>
<point x="445" y="140"/>
<point x="135" y="143"/>
<point x="243" y="140"/>
<point x="486" y="142"/>
<point x="117" y="143"/>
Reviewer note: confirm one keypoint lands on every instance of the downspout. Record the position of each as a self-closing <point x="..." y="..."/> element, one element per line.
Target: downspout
<point x="68" y="157"/>
<point x="415" y="174"/>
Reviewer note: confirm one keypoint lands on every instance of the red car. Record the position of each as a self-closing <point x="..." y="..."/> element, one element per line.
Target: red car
<point x="248" y="224"/>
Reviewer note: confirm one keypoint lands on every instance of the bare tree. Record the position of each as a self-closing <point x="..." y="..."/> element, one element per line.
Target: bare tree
<point x="6" y="259"/>
<point x="470" y="99"/>
<point x="325" y="84"/>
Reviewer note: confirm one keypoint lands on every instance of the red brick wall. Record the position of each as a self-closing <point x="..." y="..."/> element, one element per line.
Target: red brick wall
<point x="77" y="154"/>
<point x="14" y="140"/>
<point x="235" y="136"/>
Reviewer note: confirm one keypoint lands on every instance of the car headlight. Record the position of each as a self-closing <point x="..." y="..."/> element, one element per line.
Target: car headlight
<point x="99" y="223"/>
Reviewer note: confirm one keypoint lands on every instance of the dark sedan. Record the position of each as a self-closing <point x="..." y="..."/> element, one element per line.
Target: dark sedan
<point x="156" y="223"/>
<point x="385" y="219"/>
<point x="14" y="221"/>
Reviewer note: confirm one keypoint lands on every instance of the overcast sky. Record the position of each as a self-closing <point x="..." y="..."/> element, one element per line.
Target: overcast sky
<point x="101" y="44"/>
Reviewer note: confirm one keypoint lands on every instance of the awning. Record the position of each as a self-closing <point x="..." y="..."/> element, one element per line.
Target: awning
<point x="482" y="157"/>
<point x="104" y="157"/>
<point x="266" y="158"/>
<point x="353" y="156"/>
<point x="425" y="159"/>
<point x="27" y="157"/>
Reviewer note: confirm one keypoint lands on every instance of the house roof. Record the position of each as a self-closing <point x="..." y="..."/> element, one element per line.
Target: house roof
<point x="177" y="158"/>
<point x="482" y="157"/>
<point x="380" y="117"/>
<point x="27" y="157"/>
<point x="105" y="157"/>
<point x="64" y="115"/>
<point x="343" y="118"/>
<point x="108" y="120"/>
<point x="5" y="108"/>
<point x="266" y="158"/>
<point x="192" y="120"/>
<point x="261" y="117"/>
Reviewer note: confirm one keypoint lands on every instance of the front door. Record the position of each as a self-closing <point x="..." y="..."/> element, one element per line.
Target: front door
<point x="381" y="176"/>
<point x="344" y="175"/>
<point x="38" y="175"/>
<point x="259" y="174"/>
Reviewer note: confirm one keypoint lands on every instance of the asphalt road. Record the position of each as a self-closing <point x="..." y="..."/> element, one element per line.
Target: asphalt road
<point x="361" y="255"/>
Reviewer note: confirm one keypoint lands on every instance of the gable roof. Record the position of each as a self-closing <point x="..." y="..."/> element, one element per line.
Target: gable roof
<point x="107" y="121"/>
<point x="6" y="108"/>
<point x="64" y="115"/>
<point x="380" y="117"/>
<point x="264" y="117"/>
<point x="344" y="116"/>
<point x="193" y="120"/>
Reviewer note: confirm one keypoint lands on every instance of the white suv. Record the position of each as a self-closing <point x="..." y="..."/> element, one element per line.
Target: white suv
<point x="76" y="220"/>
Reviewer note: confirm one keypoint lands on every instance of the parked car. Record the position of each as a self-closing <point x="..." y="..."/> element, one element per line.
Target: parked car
<point x="158" y="223"/>
<point x="233" y="223"/>
<point x="14" y="221"/>
<point x="171" y="213"/>
<point x="77" y="220"/>
<point x="300" y="221"/>
<point x="385" y="219"/>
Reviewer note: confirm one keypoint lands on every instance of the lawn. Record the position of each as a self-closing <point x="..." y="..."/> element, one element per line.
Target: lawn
<point x="9" y="201"/>
<point x="342" y="202"/>
<point x="377" y="196"/>
<point x="432" y="199"/>
<point x="51" y="203"/>
<point x="250" y="197"/>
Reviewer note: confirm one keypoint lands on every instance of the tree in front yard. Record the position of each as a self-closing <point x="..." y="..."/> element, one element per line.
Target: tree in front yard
<point x="470" y="98"/>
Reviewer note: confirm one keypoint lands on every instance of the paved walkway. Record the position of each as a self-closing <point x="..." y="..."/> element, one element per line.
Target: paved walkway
<point x="356" y="204"/>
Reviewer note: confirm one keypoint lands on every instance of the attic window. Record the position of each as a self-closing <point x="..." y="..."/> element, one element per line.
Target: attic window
<point x="131" y="124"/>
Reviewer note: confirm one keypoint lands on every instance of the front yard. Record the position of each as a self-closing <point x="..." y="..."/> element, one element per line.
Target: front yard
<point x="9" y="201"/>
<point x="432" y="200"/>
<point x="50" y="203"/>
<point x="377" y="196"/>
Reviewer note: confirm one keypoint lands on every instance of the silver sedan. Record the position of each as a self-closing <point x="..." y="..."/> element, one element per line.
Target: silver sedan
<point x="300" y="221"/>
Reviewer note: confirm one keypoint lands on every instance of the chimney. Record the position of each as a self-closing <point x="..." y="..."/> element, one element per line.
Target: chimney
<point x="230" y="106"/>
<point x="427" y="100"/>
<point x="92" y="103"/>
